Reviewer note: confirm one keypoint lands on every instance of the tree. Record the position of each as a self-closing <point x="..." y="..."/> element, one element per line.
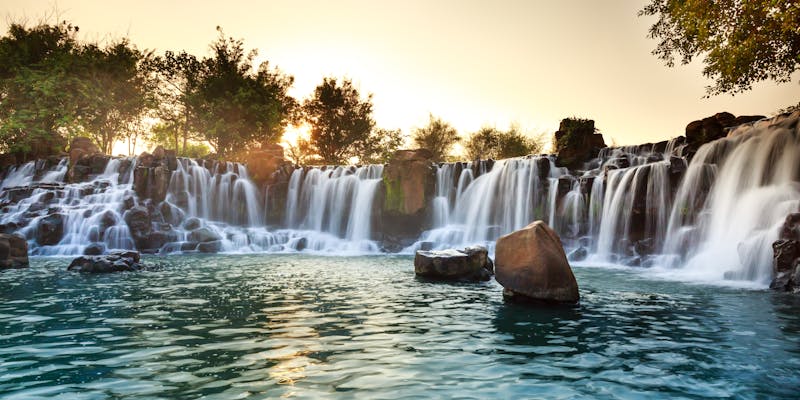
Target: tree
<point x="234" y="108"/>
<point x="38" y="88"/>
<point x="301" y="152"/>
<point x="380" y="146"/>
<point x="116" y="92"/>
<point x="438" y="137"/>
<point x="177" y="75"/>
<point x="341" y="122"/>
<point x="742" y="42"/>
<point x="492" y="143"/>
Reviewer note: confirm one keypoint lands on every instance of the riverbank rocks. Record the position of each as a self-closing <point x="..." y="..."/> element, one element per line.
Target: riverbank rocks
<point x="470" y="264"/>
<point x="13" y="251"/>
<point x="531" y="265"/>
<point x="409" y="184"/>
<point x="114" y="261"/>
<point x="786" y="256"/>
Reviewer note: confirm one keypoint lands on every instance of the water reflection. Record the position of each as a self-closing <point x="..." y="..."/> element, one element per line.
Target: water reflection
<point x="302" y="326"/>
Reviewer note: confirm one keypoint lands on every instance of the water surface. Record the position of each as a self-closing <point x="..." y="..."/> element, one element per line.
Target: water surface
<point x="265" y="326"/>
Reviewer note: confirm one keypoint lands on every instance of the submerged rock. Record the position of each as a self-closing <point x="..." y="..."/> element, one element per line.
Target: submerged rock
<point x="470" y="264"/>
<point x="114" y="261"/>
<point x="578" y="254"/>
<point x="13" y="251"/>
<point x="531" y="265"/>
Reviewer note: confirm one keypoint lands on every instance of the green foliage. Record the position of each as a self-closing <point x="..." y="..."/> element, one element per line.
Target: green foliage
<point x="379" y="147"/>
<point x="742" y="42"/>
<point x="492" y="143"/>
<point x="234" y="108"/>
<point x="438" y="137"/>
<point x="37" y="88"/>
<point x="164" y="134"/>
<point x="341" y="122"/>
<point x="53" y="86"/>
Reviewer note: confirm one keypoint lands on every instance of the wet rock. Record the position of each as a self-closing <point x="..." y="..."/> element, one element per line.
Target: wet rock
<point x="140" y="225"/>
<point x="263" y="164"/>
<point x="203" y="235"/>
<point x="531" y="265"/>
<point x="578" y="254"/>
<point x="13" y="251"/>
<point x="210" y="247"/>
<point x="471" y="264"/>
<point x="50" y="229"/>
<point x="192" y="223"/>
<point x="158" y="239"/>
<point x="114" y="261"/>
<point x="94" y="249"/>
<point x="409" y="181"/>
<point x="784" y="264"/>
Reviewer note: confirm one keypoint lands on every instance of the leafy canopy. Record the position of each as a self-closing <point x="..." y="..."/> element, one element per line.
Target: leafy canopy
<point x="742" y="42"/>
<point x="342" y="126"/>
<point x="492" y="143"/>
<point x="438" y="137"/>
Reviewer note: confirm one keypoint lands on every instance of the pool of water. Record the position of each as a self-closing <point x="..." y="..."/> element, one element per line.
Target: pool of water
<point x="265" y="326"/>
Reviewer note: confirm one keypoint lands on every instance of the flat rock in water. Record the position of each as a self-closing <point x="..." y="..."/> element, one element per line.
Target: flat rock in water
<point x="470" y="264"/>
<point x="114" y="261"/>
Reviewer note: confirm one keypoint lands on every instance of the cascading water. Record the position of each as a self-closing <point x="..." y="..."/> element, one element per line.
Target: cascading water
<point x="507" y="196"/>
<point x="737" y="193"/>
<point x="63" y="219"/>
<point x="331" y="208"/>
<point x="713" y="218"/>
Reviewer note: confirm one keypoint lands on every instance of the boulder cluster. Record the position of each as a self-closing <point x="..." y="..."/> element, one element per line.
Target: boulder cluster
<point x="530" y="265"/>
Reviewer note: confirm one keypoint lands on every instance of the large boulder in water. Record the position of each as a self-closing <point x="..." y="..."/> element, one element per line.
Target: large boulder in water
<point x="470" y="264"/>
<point x="114" y="261"/>
<point x="13" y="251"/>
<point x="531" y="265"/>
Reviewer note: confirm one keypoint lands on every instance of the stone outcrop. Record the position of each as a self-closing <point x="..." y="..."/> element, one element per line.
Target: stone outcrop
<point x="714" y="127"/>
<point x="13" y="251"/>
<point x="470" y="264"/>
<point x="577" y="142"/>
<point x="531" y="265"/>
<point x="268" y="168"/>
<point x="153" y="173"/>
<point x="786" y="256"/>
<point x="409" y="184"/>
<point x="84" y="159"/>
<point x="115" y="261"/>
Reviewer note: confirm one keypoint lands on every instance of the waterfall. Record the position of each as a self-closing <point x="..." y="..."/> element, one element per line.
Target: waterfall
<point x="61" y="218"/>
<point x="504" y="197"/>
<point x="333" y="206"/>
<point x="737" y="193"/>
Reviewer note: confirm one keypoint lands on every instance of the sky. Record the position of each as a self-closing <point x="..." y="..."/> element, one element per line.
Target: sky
<point x="473" y="63"/>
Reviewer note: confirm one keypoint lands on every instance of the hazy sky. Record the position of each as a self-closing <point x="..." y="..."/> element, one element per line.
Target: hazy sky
<point x="473" y="63"/>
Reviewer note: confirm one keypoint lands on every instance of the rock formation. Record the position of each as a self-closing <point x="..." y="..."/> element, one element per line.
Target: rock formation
<point x="409" y="181"/>
<point x="115" y="261"/>
<point x="531" y="265"/>
<point x="470" y="264"/>
<point x="13" y="251"/>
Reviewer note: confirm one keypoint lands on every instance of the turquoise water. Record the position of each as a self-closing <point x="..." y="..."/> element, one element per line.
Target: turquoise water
<point x="265" y="326"/>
